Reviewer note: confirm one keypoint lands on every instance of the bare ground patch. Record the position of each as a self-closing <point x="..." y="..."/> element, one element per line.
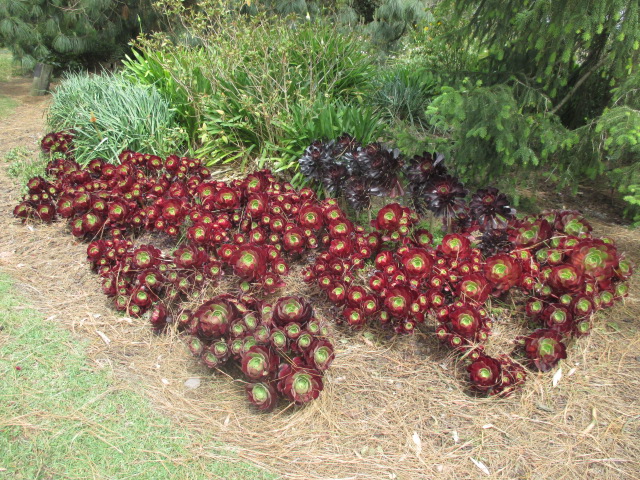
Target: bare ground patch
<point x="392" y="407"/>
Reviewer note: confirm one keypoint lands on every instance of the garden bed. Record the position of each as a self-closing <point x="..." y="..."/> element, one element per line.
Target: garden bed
<point x="392" y="407"/>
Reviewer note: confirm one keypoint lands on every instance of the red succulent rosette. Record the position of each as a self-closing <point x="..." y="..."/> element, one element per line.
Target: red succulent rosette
<point x="485" y="373"/>
<point x="188" y="257"/>
<point x="310" y="216"/>
<point x="298" y="382"/>
<point x="200" y="233"/>
<point x="257" y="204"/>
<point x="146" y="256"/>
<point x="262" y="395"/>
<point x="341" y="247"/>
<point x="417" y="263"/>
<point x="294" y="240"/>
<point x="249" y="262"/>
<point x="582" y="305"/>
<point x="474" y="287"/>
<point x="226" y="198"/>
<point x="257" y="181"/>
<point x="529" y="233"/>
<point x="355" y="296"/>
<point x="117" y="211"/>
<point x="388" y="218"/>
<point x="337" y="293"/>
<point x="354" y="317"/>
<point x="465" y="321"/>
<point x="513" y="376"/>
<point x="595" y="258"/>
<point x="558" y="317"/>
<point x="566" y="278"/>
<point x="291" y="309"/>
<point x="503" y="271"/>
<point x="213" y="318"/>
<point x="544" y="348"/>
<point x="455" y="245"/>
<point x="320" y="354"/>
<point x="159" y="316"/>
<point x="259" y="362"/>
<point x="623" y="270"/>
<point x="173" y="209"/>
<point x="571" y="222"/>
<point x="397" y="301"/>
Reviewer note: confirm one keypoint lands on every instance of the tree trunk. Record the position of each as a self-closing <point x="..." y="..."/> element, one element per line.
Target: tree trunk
<point x="41" y="79"/>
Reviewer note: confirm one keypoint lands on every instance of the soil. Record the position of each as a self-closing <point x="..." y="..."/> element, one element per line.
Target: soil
<point x="392" y="408"/>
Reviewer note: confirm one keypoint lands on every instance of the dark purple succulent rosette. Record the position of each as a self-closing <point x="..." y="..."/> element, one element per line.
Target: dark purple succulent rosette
<point x="490" y="209"/>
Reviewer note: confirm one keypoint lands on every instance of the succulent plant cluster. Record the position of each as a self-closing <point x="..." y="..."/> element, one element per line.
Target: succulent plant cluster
<point x="344" y="166"/>
<point x="58" y="142"/>
<point x="250" y="229"/>
<point x="565" y="274"/>
<point x="391" y="273"/>
<point x="282" y="349"/>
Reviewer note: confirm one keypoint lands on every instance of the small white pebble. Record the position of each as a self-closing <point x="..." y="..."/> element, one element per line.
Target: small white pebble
<point x="192" y="383"/>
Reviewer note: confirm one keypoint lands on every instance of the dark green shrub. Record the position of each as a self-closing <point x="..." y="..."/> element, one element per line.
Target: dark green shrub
<point x="233" y="95"/>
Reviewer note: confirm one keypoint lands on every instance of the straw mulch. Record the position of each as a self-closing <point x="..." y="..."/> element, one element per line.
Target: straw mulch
<point x="392" y="408"/>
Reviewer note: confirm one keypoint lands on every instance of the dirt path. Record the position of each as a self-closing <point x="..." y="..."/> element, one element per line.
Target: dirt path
<point x="25" y="127"/>
<point x="390" y="410"/>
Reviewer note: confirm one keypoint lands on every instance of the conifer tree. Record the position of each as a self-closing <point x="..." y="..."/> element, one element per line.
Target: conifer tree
<point x="574" y="51"/>
<point x="61" y="32"/>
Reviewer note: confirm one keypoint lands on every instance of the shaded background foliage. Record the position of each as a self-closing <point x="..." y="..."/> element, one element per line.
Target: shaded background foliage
<point x="65" y="33"/>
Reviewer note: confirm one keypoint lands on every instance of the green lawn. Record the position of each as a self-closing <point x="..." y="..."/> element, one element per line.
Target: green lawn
<point x="7" y="105"/>
<point x="7" y="69"/>
<point x="60" y="418"/>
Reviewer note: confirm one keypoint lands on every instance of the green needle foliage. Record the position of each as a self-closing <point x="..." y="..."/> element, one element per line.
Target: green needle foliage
<point x="565" y="49"/>
<point x="539" y="86"/>
<point x="64" y="31"/>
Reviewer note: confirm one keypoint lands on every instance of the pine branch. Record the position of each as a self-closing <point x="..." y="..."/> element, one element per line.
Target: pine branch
<point x="577" y="85"/>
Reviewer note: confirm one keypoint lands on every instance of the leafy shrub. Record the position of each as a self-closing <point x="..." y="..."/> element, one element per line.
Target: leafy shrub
<point x="178" y="78"/>
<point x="109" y="114"/>
<point x="234" y="95"/>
